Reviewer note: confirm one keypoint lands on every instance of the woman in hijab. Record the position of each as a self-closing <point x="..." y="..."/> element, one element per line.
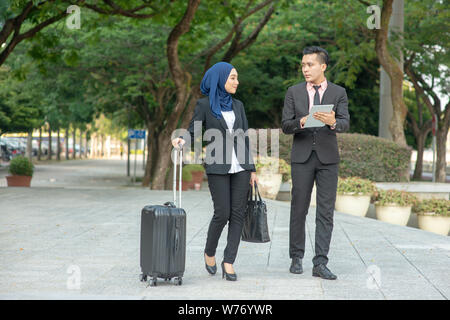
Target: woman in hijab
<point x="229" y="175"/>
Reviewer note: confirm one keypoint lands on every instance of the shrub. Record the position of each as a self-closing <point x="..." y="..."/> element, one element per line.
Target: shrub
<point x="194" y="167"/>
<point x="373" y="158"/>
<point x="387" y="197"/>
<point x="186" y="174"/>
<point x="355" y="185"/>
<point x="369" y="157"/>
<point x="285" y="170"/>
<point x="438" y="206"/>
<point x="285" y="145"/>
<point x="21" y="166"/>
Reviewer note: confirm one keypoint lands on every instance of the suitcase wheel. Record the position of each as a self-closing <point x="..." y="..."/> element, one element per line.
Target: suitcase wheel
<point x="179" y="281"/>
<point x="152" y="282"/>
<point x="143" y="277"/>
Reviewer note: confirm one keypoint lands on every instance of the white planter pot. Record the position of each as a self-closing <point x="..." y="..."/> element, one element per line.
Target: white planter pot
<point x="269" y="184"/>
<point x="356" y="205"/>
<point x="284" y="194"/>
<point x="434" y="223"/>
<point x="393" y="214"/>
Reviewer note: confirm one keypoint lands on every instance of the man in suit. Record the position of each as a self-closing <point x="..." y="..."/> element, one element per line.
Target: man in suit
<point x="314" y="157"/>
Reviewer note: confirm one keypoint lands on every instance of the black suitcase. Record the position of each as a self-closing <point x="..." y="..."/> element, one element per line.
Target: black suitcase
<point x="163" y="238"/>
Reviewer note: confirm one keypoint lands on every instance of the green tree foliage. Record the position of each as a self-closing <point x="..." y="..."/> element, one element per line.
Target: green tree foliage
<point x="269" y="67"/>
<point x="20" y="110"/>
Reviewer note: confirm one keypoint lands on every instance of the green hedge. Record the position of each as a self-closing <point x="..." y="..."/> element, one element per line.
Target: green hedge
<point x="368" y="157"/>
<point x="373" y="158"/>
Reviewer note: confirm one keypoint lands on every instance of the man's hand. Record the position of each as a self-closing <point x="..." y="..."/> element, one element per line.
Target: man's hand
<point x="302" y="121"/>
<point x="326" y="117"/>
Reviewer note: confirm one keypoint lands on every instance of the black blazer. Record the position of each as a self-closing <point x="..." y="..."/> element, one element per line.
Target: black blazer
<point x="218" y="150"/>
<point x="296" y="106"/>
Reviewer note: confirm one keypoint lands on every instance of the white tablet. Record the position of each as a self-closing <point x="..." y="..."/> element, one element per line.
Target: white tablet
<point x="310" y="121"/>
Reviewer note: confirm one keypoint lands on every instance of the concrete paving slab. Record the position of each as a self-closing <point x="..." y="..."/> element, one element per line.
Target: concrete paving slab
<point x="80" y="240"/>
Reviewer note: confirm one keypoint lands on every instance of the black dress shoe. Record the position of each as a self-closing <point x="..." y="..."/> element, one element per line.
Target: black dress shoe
<point x="296" y="266"/>
<point x="211" y="269"/>
<point x="323" y="272"/>
<point x="228" y="276"/>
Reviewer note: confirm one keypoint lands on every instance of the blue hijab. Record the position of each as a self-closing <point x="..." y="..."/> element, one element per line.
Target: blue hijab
<point x="213" y="85"/>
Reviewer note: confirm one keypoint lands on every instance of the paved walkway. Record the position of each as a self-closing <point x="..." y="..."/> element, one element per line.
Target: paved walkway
<point x="75" y="235"/>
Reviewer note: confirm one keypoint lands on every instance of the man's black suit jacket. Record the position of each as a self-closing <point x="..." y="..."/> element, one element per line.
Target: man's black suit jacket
<point x="296" y="106"/>
<point x="221" y="149"/>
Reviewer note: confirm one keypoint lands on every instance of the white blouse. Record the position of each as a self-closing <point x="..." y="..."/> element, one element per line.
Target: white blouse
<point x="229" y="118"/>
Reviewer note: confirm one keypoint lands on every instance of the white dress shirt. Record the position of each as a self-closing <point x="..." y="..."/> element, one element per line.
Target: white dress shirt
<point x="229" y="118"/>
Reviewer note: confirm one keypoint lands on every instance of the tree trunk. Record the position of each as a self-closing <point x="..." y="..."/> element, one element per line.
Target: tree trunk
<point x="66" y="141"/>
<point x="40" y="145"/>
<point x="29" y="152"/>
<point x="86" y="145"/>
<point x="159" y="144"/>
<point x="73" y="143"/>
<point x="58" y="146"/>
<point x="92" y="142"/>
<point x="163" y="162"/>
<point x="396" y="126"/>
<point x="441" y="150"/>
<point x="394" y="70"/>
<point x="420" y="140"/>
<point x="95" y="153"/>
<point x="49" y="156"/>
<point x="420" y="135"/>
<point x="151" y="144"/>
<point x="81" y="144"/>
<point x="102" y="151"/>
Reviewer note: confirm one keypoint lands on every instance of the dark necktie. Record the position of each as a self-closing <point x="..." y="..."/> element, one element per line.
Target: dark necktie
<point x="316" y="95"/>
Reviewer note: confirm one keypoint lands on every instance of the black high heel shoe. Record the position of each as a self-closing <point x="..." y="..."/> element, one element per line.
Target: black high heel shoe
<point x="211" y="269"/>
<point x="228" y="276"/>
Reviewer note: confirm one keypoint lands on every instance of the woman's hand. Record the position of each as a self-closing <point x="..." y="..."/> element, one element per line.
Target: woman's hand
<point x="253" y="179"/>
<point x="178" y="143"/>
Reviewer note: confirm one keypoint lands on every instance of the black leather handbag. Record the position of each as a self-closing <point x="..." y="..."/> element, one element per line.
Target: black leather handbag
<point x="255" y="222"/>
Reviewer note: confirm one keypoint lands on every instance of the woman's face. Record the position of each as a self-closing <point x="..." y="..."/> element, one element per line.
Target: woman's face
<point x="232" y="82"/>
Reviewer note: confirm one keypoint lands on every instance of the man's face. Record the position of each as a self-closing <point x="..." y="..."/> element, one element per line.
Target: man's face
<point x="312" y="69"/>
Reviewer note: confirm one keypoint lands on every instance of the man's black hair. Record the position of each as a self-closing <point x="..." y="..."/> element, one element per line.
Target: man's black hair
<point x="322" y="54"/>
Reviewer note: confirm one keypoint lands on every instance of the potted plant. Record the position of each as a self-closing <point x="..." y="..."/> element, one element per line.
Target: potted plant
<point x="284" y="193"/>
<point x="393" y="206"/>
<point x="433" y="215"/>
<point x="197" y="171"/>
<point x="353" y="195"/>
<point x="270" y="172"/>
<point x="21" y="170"/>
<point x="285" y="170"/>
<point x="186" y="177"/>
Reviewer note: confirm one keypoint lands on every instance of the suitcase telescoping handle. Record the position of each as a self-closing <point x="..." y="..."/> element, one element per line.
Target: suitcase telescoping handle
<point x="180" y="151"/>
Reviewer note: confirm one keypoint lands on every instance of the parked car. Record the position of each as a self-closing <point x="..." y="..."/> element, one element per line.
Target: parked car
<point x="13" y="146"/>
<point x="5" y="151"/>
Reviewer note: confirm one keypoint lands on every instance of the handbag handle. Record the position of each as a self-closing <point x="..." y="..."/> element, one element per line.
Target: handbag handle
<point x="257" y="194"/>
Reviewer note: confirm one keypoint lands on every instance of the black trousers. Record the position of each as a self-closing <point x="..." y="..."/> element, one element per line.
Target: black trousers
<point x="303" y="177"/>
<point x="229" y="195"/>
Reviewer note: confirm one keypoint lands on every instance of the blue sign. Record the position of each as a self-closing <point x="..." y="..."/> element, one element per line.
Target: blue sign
<point x="136" y="134"/>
